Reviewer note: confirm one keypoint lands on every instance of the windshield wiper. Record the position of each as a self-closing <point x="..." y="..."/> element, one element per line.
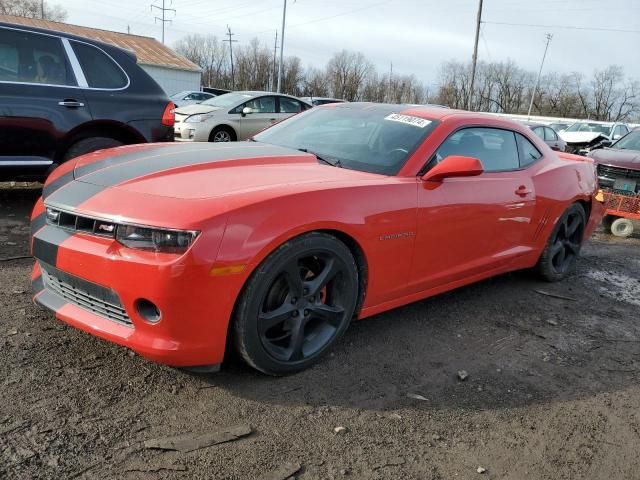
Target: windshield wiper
<point x="335" y="163"/>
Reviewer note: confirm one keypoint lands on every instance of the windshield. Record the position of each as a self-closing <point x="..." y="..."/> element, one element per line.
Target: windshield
<point x="180" y="95"/>
<point x="630" y="141"/>
<point x="370" y="138"/>
<point x="227" y="100"/>
<point x="589" y="127"/>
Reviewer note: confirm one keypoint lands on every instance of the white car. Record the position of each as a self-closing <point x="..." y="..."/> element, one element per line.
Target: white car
<point x="188" y="97"/>
<point x="234" y="116"/>
<point x="582" y="137"/>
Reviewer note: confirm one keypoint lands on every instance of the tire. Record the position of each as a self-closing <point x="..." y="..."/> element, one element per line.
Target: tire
<point x="607" y="220"/>
<point x="559" y="256"/>
<point x="222" y="134"/>
<point x="91" y="144"/>
<point x="296" y="305"/>
<point x="622" y="227"/>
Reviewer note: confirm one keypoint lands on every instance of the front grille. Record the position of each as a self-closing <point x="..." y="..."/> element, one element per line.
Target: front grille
<point x="84" y="294"/>
<point x="80" y="223"/>
<point x="617" y="172"/>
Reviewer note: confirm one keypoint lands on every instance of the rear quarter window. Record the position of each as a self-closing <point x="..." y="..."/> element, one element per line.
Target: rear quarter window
<point x="99" y="69"/>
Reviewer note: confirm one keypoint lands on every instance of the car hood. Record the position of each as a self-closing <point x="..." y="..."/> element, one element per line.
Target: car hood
<point x="196" y="108"/>
<point x="580" y="137"/>
<point x="207" y="170"/>
<point x="617" y="157"/>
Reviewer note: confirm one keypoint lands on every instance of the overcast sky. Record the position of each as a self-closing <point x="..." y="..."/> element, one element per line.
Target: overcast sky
<point x="416" y="35"/>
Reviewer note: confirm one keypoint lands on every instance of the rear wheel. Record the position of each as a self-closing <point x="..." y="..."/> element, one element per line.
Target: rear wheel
<point x="559" y="257"/>
<point x="91" y="144"/>
<point x="622" y="227"/>
<point x="296" y="305"/>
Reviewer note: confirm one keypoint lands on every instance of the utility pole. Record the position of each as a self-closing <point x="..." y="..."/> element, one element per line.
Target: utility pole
<point x="162" y="19"/>
<point x="275" y="54"/>
<point x="533" y="95"/>
<point x="390" y="90"/>
<point x="474" y="61"/>
<point x="42" y="9"/>
<point x="284" y="18"/>
<point x="129" y="29"/>
<point x="231" y="42"/>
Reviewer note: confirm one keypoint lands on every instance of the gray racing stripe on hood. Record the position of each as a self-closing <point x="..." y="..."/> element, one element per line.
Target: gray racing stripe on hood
<point x="119" y="158"/>
<point x="170" y="159"/>
<point x="72" y="195"/>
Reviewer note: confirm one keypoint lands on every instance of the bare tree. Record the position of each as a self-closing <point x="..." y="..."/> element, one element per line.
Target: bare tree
<point x="33" y="9"/>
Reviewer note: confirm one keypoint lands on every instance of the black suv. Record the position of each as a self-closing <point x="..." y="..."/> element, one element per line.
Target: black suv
<point x="62" y="96"/>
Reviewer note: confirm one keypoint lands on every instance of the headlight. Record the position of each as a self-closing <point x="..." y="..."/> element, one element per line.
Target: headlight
<point x="201" y="117"/>
<point x="156" y="240"/>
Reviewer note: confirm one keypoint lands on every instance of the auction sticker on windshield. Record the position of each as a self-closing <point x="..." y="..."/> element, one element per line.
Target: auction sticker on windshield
<point x="408" y="119"/>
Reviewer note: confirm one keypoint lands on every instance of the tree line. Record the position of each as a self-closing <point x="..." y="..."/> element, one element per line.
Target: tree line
<point x="502" y="87"/>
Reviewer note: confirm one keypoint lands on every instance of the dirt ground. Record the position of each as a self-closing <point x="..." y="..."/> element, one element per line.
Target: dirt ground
<point x="552" y="393"/>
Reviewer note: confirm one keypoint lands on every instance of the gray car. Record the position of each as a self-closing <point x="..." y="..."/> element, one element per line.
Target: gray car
<point x="234" y="116"/>
<point x="189" y="97"/>
<point x="549" y="135"/>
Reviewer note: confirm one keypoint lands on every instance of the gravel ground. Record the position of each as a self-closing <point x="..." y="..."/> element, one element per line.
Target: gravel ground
<point x="552" y="389"/>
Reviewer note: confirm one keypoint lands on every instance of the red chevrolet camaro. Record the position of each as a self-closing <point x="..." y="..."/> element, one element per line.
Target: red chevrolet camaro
<point x="272" y="246"/>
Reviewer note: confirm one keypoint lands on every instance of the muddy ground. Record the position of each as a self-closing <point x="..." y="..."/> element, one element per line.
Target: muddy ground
<point x="553" y="389"/>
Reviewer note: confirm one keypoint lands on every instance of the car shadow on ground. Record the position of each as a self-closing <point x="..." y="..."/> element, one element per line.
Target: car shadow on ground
<point x="520" y="341"/>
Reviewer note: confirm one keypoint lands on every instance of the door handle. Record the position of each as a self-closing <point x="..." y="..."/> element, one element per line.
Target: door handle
<point x="522" y="191"/>
<point x="70" y="103"/>
<point x="272" y="119"/>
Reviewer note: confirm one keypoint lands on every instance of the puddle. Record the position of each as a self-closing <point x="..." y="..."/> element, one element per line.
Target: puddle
<point x="618" y="285"/>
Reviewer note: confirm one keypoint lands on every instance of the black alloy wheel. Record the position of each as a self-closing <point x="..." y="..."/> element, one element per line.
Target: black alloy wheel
<point x="297" y="304"/>
<point x="563" y="248"/>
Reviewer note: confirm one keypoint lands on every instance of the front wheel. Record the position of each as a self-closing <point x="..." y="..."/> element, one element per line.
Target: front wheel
<point x="296" y="305"/>
<point x="559" y="257"/>
<point x="222" y="134"/>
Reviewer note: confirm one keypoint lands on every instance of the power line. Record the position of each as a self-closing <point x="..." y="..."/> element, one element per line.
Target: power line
<point x="566" y="27"/>
<point x="163" y="20"/>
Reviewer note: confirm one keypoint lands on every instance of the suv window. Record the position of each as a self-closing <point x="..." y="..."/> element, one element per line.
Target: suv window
<point x="32" y="58"/>
<point x="539" y="131"/>
<point x="495" y="148"/>
<point x="550" y="134"/>
<point x="289" y="105"/>
<point x="99" y="70"/>
<point x="528" y="151"/>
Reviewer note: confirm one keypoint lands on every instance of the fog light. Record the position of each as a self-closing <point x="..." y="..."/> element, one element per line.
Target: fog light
<point x="147" y="310"/>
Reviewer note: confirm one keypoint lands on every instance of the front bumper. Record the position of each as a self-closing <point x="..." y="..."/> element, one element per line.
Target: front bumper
<point x="195" y="306"/>
<point x="191" y="132"/>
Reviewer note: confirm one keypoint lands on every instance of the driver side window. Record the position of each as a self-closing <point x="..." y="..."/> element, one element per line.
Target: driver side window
<point x="495" y="148"/>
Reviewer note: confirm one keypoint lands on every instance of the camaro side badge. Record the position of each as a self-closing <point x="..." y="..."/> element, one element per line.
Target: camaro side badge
<point x="396" y="236"/>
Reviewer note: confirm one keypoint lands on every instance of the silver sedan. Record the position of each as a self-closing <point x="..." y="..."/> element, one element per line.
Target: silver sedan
<point x="234" y="116"/>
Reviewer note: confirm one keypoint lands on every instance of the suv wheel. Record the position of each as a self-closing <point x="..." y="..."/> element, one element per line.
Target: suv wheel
<point x="91" y="144"/>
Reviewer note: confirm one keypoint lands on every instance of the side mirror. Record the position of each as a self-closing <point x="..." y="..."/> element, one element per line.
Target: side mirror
<point x="247" y="110"/>
<point x="617" y="136"/>
<point x="454" y="166"/>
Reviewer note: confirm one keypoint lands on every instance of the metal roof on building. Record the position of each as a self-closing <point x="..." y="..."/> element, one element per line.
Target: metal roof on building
<point x="148" y="50"/>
